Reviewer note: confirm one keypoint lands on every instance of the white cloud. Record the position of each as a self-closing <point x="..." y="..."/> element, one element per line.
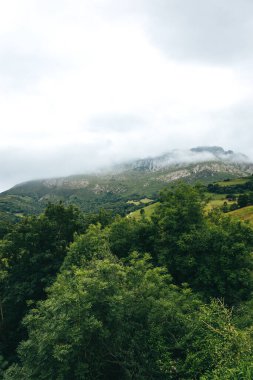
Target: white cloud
<point x="75" y="74"/>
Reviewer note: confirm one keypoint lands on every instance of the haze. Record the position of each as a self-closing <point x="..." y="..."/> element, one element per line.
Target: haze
<point x="87" y="83"/>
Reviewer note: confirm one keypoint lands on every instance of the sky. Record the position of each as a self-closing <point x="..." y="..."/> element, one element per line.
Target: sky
<point x="87" y="83"/>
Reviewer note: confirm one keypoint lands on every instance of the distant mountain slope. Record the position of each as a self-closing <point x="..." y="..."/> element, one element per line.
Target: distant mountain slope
<point x="113" y="187"/>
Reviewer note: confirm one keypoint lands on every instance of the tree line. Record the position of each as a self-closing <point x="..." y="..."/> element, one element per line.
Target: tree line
<point x="100" y="297"/>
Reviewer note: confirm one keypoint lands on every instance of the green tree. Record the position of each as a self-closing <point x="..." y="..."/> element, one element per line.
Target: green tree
<point x="212" y="253"/>
<point x="224" y="260"/>
<point x="243" y="200"/>
<point x="225" y="207"/>
<point x="107" y="321"/>
<point x="34" y="251"/>
<point x="113" y="321"/>
<point x="103" y="217"/>
<point x="93" y="244"/>
<point x="127" y="235"/>
<point x="178" y="218"/>
<point x="216" y="348"/>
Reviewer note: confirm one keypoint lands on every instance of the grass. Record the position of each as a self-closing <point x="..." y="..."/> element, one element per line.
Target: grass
<point x="216" y="201"/>
<point x="245" y="213"/>
<point x="132" y="202"/>
<point x="19" y="214"/>
<point x="146" y="200"/>
<point x="214" y="196"/>
<point x="141" y="201"/>
<point x="213" y="203"/>
<point x="148" y="211"/>
<point x="234" y="182"/>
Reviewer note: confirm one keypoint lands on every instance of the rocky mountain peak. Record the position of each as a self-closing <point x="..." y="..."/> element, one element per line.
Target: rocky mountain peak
<point x="179" y="158"/>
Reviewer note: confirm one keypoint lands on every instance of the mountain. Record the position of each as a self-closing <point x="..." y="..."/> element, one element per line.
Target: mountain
<point x="193" y="156"/>
<point x="114" y="188"/>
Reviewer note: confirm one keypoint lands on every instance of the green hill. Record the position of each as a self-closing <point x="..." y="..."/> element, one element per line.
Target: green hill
<point x="245" y="213"/>
<point x="214" y="201"/>
<point x="148" y="211"/>
<point x="123" y="188"/>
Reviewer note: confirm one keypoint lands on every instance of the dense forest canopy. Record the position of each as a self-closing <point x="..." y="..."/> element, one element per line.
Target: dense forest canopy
<point x="92" y="296"/>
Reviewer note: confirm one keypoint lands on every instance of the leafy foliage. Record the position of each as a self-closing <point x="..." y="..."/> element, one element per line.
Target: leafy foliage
<point x="94" y="308"/>
<point x="212" y="253"/>
<point x="34" y="251"/>
<point x="98" y="319"/>
<point x="127" y="235"/>
<point x="114" y="321"/>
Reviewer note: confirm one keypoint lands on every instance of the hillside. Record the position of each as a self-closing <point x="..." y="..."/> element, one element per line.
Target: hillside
<point x="138" y="292"/>
<point x="113" y="188"/>
<point x="224" y="194"/>
<point x="245" y="213"/>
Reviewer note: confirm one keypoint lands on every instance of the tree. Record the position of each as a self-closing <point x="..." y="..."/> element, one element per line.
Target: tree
<point x="34" y="251"/>
<point x="107" y="321"/>
<point x="243" y="200"/>
<point x="212" y="253"/>
<point x="103" y="217"/>
<point x="224" y="260"/>
<point x="217" y="349"/>
<point x="225" y="207"/>
<point x="178" y="218"/>
<point x="127" y="235"/>
<point x="93" y="244"/>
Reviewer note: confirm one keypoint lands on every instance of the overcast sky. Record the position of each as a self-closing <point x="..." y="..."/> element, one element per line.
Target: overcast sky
<point x="84" y="83"/>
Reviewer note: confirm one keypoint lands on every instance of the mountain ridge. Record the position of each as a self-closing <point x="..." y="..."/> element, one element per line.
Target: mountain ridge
<point x="190" y="156"/>
<point x="173" y="160"/>
<point x="115" y="186"/>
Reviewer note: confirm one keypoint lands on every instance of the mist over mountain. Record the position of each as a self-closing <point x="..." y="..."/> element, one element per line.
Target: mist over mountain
<point x="190" y="156"/>
<point x="113" y="187"/>
<point x="213" y="159"/>
<point x="117" y="187"/>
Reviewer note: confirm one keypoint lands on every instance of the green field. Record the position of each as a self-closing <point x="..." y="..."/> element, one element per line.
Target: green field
<point x="245" y="213"/>
<point x="233" y="182"/>
<point x="217" y="200"/>
<point x="148" y="211"/>
<point x="141" y="201"/>
<point x="213" y="196"/>
<point x="213" y="203"/>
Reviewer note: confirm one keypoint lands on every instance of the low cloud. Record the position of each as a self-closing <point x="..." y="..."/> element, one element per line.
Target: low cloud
<point x="89" y="84"/>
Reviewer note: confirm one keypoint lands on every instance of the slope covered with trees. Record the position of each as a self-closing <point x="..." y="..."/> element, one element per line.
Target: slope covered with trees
<point x="97" y="297"/>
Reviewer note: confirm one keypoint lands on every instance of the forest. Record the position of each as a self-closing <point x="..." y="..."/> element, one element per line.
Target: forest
<point x="96" y="296"/>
